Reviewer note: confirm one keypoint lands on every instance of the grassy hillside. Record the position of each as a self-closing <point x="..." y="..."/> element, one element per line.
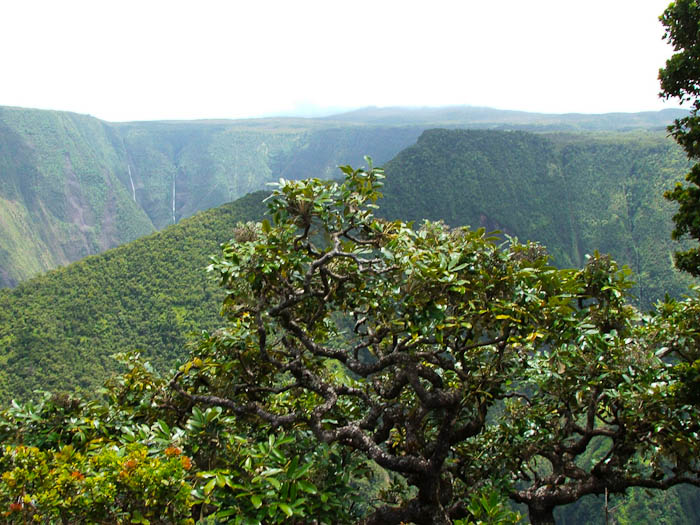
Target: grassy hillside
<point x="575" y="193"/>
<point x="58" y="330"/>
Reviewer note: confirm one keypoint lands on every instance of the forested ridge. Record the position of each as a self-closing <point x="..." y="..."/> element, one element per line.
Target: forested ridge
<point x="575" y="193"/>
<point x="58" y="331"/>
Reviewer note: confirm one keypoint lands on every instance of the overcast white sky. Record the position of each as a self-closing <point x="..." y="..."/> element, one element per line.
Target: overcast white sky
<point x="152" y="59"/>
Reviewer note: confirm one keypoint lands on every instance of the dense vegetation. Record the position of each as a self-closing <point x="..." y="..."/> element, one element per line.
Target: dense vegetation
<point x="58" y="331"/>
<point x="681" y="79"/>
<point x="371" y="371"/>
<point x="425" y="350"/>
<point x="572" y="192"/>
<point x="575" y="193"/>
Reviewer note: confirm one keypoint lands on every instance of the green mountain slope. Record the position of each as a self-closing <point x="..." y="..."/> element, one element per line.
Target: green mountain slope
<point x="72" y="185"/>
<point x="575" y="193"/>
<point x="58" y="330"/>
<point x="61" y="196"/>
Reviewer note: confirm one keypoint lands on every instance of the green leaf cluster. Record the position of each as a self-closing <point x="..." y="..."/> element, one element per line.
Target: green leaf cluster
<point x="680" y="78"/>
<point x="138" y="455"/>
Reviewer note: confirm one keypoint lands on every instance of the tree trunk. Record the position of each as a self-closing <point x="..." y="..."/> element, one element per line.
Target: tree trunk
<point x="541" y="516"/>
<point x="427" y="508"/>
<point x="413" y="512"/>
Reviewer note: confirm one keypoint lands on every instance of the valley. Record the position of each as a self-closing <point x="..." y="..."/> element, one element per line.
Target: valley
<point x="575" y="192"/>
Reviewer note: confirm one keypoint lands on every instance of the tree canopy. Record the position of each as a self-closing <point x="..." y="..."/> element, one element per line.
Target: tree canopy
<point x="681" y="79"/>
<point x="370" y="371"/>
<point x="445" y="356"/>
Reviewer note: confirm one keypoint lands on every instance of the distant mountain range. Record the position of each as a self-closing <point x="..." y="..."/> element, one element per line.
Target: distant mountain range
<point x="481" y="117"/>
<point x="72" y="185"/>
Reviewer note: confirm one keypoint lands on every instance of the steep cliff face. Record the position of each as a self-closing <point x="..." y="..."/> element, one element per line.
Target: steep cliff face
<point x="72" y="185"/>
<point x="181" y="168"/>
<point x="575" y="193"/>
<point x="62" y="194"/>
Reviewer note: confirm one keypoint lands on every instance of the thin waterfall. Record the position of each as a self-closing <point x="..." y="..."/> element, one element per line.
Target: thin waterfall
<point x="133" y="190"/>
<point x="232" y="185"/>
<point x="128" y="168"/>
<point x="174" y="199"/>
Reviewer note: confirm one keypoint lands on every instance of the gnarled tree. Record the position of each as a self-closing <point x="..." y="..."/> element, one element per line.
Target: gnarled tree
<point x="428" y="350"/>
<point x="605" y="410"/>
